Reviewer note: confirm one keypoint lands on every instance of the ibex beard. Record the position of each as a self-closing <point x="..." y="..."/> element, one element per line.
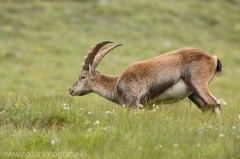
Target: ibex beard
<point x="167" y="78"/>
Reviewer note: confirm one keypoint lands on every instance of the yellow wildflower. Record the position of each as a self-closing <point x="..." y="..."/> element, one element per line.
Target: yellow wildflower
<point x="16" y="105"/>
<point x="39" y="49"/>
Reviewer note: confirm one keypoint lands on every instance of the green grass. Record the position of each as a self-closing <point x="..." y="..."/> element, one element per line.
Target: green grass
<point x="42" y="45"/>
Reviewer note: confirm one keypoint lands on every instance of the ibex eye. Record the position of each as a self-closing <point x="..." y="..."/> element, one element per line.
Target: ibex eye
<point x="82" y="77"/>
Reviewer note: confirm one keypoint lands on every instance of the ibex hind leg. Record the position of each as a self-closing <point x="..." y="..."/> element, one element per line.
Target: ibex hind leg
<point x="202" y="96"/>
<point x="197" y="101"/>
<point x="197" y="82"/>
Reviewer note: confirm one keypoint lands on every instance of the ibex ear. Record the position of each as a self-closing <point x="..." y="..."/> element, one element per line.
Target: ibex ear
<point x="90" y="72"/>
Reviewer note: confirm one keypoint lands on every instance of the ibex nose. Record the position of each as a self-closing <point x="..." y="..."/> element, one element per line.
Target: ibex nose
<point x="71" y="91"/>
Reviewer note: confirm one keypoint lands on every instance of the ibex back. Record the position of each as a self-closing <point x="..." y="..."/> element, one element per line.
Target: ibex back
<point x="166" y="78"/>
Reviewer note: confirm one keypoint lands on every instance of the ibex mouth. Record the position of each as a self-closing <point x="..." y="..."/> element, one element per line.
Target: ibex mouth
<point x="72" y="92"/>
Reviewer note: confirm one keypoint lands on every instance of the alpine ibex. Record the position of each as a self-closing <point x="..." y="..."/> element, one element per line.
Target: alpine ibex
<point x="166" y="78"/>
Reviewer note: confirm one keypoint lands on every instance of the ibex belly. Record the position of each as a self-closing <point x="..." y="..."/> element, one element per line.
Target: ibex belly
<point x="174" y="94"/>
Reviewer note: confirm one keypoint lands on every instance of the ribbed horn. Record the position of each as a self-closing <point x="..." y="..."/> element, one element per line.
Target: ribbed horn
<point x="100" y="55"/>
<point x="88" y="60"/>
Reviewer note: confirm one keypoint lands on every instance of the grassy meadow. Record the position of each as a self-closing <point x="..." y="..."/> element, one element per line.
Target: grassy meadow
<point x="42" y="45"/>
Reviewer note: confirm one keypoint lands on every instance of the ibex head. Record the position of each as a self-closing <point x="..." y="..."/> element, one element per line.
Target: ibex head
<point x="88" y="72"/>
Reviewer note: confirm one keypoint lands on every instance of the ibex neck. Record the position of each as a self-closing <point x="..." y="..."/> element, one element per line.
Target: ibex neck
<point x="105" y="86"/>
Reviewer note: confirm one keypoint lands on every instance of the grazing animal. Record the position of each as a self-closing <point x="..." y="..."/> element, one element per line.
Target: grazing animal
<point x="167" y="78"/>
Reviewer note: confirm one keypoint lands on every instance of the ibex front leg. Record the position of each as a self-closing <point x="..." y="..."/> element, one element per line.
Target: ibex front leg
<point x="128" y="93"/>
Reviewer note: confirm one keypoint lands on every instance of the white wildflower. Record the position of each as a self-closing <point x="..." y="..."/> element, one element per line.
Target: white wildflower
<point x="34" y="130"/>
<point x="153" y="110"/>
<point x="96" y="122"/>
<point x="175" y="145"/>
<point x="123" y="106"/>
<point x="140" y="106"/>
<point x="81" y="108"/>
<point x="221" y="135"/>
<point x="198" y="145"/>
<point x="86" y="122"/>
<point x="52" y="141"/>
<point x="107" y="128"/>
<point x="139" y="148"/>
<point x="108" y="112"/>
<point x="89" y="113"/>
<point x="89" y="129"/>
<point x="234" y="127"/>
<point x="239" y="117"/>
<point x="210" y="126"/>
<point x="142" y="110"/>
<point x="160" y="146"/>
<point x="238" y="136"/>
<point x="66" y="107"/>
<point x="222" y="101"/>
<point x="2" y="112"/>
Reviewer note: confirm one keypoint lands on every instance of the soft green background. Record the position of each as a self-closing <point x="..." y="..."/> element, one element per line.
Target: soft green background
<point x="42" y="45"/>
